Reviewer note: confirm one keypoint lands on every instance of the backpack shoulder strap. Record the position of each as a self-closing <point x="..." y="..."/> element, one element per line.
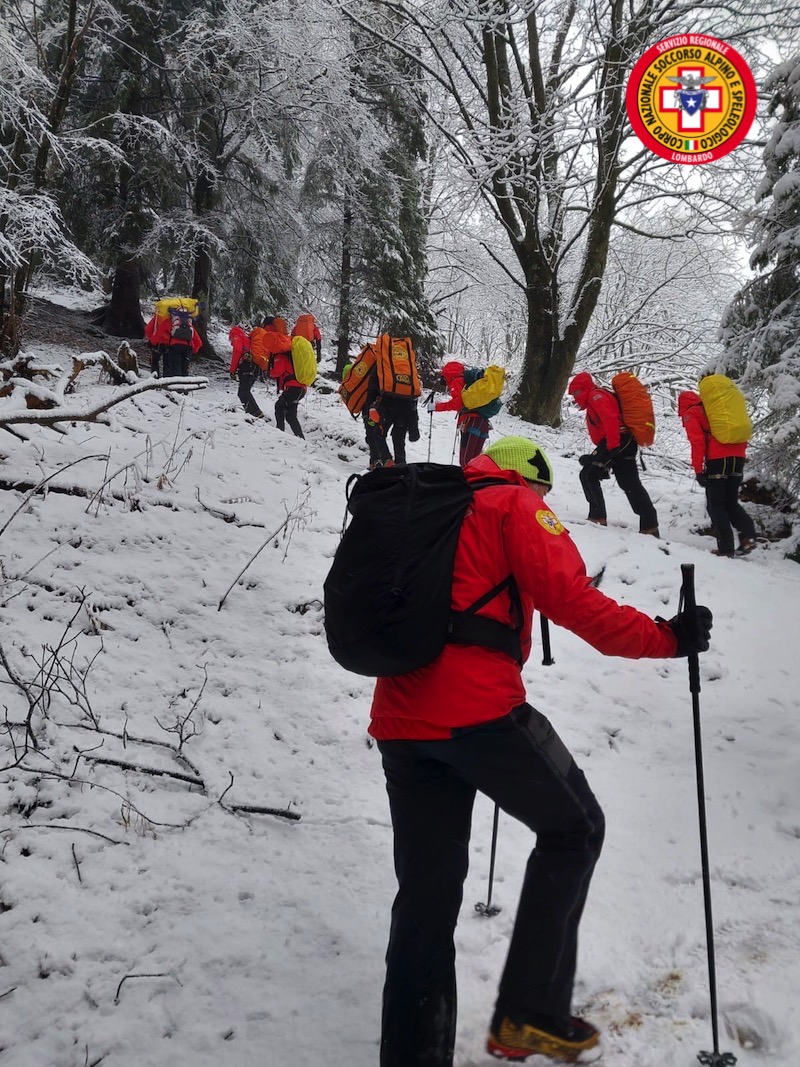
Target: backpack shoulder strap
<point x="469" y="628"/>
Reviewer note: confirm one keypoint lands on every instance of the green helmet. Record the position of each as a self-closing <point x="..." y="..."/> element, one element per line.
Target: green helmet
<point x="524" y="456"/>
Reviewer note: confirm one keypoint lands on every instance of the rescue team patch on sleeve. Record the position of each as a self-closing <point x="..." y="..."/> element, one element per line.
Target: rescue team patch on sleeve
<point x="548" y="521"/>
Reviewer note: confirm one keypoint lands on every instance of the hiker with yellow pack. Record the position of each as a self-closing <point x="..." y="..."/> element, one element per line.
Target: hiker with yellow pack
<point x="718" y="428"/>
<point x="475" y="395"/>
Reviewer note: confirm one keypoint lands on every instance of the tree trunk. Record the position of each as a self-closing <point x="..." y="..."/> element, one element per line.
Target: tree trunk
<point x="345" y="285"/>
<point x="201" y="285"/>
<point x="123" y="316"/>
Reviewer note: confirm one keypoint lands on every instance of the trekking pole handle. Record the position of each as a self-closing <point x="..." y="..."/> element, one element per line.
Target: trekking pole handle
<point x="687" y="586"/>
<point x="688" y="603"/>
<point x="547" y="653"/>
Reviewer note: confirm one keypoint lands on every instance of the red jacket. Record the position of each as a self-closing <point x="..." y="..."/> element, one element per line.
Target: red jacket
<point x="281" y="369"/>
<point x="702" y="442"/>
<point x="508" y="529"/>
<point x="453" y="374"/>
<point x="603" y="415"/>
<point x="240" y="343"/>
<point x="159" y="332"/>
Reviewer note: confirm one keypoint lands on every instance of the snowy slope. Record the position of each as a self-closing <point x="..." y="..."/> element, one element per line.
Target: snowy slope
<point x="144" y="923"/>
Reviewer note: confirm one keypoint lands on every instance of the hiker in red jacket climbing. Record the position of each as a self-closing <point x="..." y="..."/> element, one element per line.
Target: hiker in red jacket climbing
<point x="719" y="468"/>
<point x="461" y="725"/>
<point x="615" y="448"/>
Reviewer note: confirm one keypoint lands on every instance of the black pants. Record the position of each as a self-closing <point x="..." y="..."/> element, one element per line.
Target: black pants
<point x="623" y="464"/>
<point x="724" y="479"/>
<point x="521" y="763"/>
<point x="248" y="373"/>
<point x="176" y="360"/>
<point x="399" y="419"/>
<point x="286" y="409"/>
<point x="376" y="441"/>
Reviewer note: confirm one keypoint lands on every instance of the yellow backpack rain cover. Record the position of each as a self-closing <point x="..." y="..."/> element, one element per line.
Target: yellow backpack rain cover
<point x="304" y="360"/>
<point x="176" y="303"/>
<point x="726" y="409"/>
<point x="485" y="389"/>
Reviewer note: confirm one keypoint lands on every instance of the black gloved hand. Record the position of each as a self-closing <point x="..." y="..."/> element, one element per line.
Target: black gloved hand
<point x="693" y="630"/>
<point x="701" y="479"/>
<point x="585" y="460"/>
<point x="413" y="436"/>
<point x="233" y="376"/>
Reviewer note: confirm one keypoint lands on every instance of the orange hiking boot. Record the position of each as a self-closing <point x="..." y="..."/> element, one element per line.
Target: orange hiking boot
<point x="565" y="1039"/>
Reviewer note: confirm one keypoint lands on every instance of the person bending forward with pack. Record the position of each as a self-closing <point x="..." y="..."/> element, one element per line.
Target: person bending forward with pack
<point x="462" y="724"/>
<point x="616" y="448"/>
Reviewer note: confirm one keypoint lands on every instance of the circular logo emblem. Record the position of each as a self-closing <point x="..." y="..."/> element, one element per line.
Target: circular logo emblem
<point x="691" y="99"/>
<point x="549" y="521"/>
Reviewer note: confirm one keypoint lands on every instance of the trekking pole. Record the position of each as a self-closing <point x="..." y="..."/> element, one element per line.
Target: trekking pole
<point x="455" y="438"/>
<point x="430" y="436"/>
<point x="488" y="909"/>
<point x="688" y="604"/>
<point x="547" y="654"/>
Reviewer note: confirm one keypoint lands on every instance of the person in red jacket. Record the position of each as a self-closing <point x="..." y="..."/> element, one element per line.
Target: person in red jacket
<point x="281" y="368"/>
<point x="244" y="367"/>
<point x="719" y="468"/>
<point x="473" y="425"/>
<point x="462" y="724"/>
<point x="616" y="448"/>
<point x="173" y="340"/>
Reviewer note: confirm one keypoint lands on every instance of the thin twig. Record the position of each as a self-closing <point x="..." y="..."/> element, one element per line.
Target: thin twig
<point x="160" y="974"/>
<point x="282" y="526"/>
<point x="44" y="482"/>
<point x="8" y="992"/>
<point x="77" y="865"/>
<point x="60" y="826"/>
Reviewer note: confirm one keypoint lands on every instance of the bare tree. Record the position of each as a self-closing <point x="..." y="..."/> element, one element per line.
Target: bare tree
<point x="531" y="101"/>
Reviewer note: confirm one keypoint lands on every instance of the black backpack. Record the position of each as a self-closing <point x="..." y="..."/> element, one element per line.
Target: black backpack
<point x="387" y="595"/>
<point x="181" y="329"/>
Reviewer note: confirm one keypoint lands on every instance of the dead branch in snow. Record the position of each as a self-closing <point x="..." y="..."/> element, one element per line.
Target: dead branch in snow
<point x="51" y="417"/>
<point x="185" y="727"/>
<point x="295" y="517"/>
<point x="226" y="516"/>
<point x="43" y="482"/>
<point x="254" y="809"/>
<point x="142" y="769"/>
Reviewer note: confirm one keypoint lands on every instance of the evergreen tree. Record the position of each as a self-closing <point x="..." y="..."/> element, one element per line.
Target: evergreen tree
<point x="393" y="263"/>
<point x="761" y="327"/>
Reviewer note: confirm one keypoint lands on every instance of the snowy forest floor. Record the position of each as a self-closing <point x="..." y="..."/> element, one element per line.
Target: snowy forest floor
<point x="145" y="921"/>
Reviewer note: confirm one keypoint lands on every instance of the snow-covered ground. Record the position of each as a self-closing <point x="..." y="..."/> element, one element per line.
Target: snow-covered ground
<point x="144" y="922"/>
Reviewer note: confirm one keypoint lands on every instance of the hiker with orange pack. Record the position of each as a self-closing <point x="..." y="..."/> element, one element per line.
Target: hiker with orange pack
<point x="247" y="368"/>
<point x="616" y="448"/>
<point x="274" y="340"/>
<point x="718" y="461"/>
<point x="306" y="326"/>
